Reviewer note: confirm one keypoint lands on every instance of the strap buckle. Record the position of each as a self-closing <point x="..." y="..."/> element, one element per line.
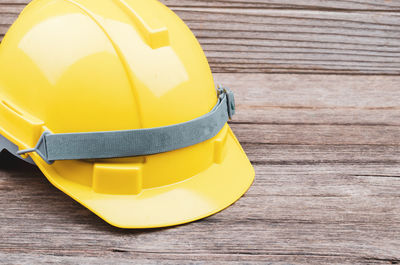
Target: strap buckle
<point x="230" y="99"/>
<point x="40" y="148"/>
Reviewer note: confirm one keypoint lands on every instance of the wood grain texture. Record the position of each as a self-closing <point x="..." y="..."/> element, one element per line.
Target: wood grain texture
<point x="325" y="147"/>
<point x="369" y="5"/>
<point x="348" y="37"/>
<point x="327" y="187"/>
<point x="366" y="5"/>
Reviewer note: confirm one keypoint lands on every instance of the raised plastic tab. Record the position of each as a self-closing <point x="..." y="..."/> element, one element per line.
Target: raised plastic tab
<point x="22" y="126"/>
<point x="220" y="146"/>
<point x="118" y="179"/>
<point x="155" y="38"/>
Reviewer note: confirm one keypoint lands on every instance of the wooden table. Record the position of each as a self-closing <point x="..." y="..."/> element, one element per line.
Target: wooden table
<point x="318" y="92"/>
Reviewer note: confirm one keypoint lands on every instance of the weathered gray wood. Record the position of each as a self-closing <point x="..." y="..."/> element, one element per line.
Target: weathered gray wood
<point x="380" y="5"/>
<point x="325" y="148"/>
<point x="327" y="188"/>
<point x="315" y="99"/>
<point x="374" y="5"/>
<point x="318" y="212"/>
<point x="285" y="36"/>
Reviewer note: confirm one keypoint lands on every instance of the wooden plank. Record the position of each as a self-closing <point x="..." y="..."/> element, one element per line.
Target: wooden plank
<point x="319" y="134"/>
<point x="326" y="189"/>
<point x="10" y="9"/>
<point x="282" y="37"/>
<point x="296" y="41"/>
<point x="334" y="212"/>
<point x="314" y="109"/>
<point x="315" y="99"/>
<point x="376" y="5"/>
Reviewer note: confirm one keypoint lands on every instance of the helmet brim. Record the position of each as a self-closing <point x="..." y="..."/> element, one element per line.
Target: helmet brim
<point x="192" y="199"/>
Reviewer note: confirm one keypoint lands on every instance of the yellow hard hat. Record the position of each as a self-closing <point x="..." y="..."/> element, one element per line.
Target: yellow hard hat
<point x="115" y="102"/>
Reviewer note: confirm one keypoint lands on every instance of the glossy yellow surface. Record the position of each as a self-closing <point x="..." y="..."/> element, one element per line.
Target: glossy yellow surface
<point x="88" y="65"/>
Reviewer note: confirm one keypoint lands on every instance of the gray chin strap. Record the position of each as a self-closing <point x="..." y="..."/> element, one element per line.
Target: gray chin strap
<point x="114" y="144"/>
